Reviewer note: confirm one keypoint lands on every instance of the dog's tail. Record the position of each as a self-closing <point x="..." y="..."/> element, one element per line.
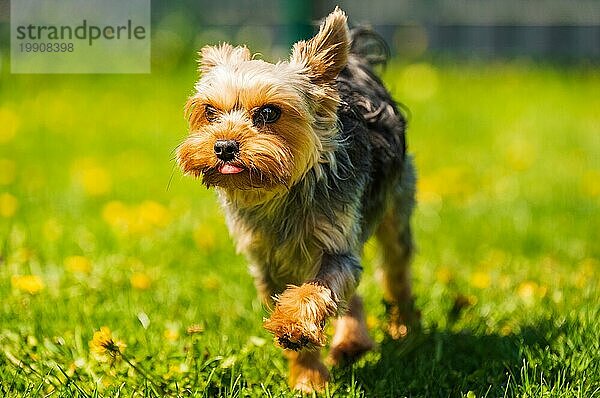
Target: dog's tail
<point x="369" y="45"/>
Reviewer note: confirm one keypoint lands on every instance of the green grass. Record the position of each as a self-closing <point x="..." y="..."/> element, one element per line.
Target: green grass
<point x="506" y="275"/>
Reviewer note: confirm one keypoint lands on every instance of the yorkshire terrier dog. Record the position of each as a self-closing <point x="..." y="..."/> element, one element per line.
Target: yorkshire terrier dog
<point x="308" y="157"/>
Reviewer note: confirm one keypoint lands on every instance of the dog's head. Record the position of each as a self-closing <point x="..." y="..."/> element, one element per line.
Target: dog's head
<point x="261" y="126"/>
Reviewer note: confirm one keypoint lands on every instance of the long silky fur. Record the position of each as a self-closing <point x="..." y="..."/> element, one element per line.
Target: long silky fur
<point x="328" y="172"/>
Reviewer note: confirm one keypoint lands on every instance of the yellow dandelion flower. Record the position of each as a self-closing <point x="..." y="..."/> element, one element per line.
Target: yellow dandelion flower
<point x="427" y="192"/>
<point x="506" y="330"/>
<point x="211" y="282"/>
<point x="481" y="280"/>
<point x="148" y="215"/>
<point x="444" y="275"/>
<point x="31" y="284"/>
<point x="587" y="268"/>
<point x="590" y="183"/>
<point x="9" y="121"/>
<point x="204" y="237"/>
<point x="78" y="264"/>
<point x="71" y="369"/>
<point x="526" y="291"/>
<point x="135" y="219"/>
<point x="8" y="171"/>
<point x="529" y="291"/>
<point x="104" y="347"/>
<point x="171" y="334"/>
<point x="153" y="213"/>
<point x="174" y="370"/>
<point x="94" y="179"/>
<point x="140" y="280"/>
<point x="117" y="215"/>
<point x="447" y="182"/>
<point x="8" y="205"/>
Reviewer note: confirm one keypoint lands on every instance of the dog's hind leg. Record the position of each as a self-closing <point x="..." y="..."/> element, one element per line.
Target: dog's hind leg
<point x="394" y="235"/>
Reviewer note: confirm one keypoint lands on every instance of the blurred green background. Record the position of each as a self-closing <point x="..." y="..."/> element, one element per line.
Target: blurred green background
<point x="99" y="228"/>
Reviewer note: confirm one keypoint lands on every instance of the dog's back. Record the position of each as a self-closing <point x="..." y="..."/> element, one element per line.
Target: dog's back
<point x="374" y="127"/>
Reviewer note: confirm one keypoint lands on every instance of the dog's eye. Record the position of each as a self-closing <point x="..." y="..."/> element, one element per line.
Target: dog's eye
<point x="267" y="114"/>
<point x="211" y="113"/>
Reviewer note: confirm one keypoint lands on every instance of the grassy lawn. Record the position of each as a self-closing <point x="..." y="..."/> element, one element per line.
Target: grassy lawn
<point x="98" y="229"/>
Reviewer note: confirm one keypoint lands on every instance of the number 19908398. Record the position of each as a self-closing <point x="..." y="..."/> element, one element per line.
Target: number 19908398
<point x="46" y="47"/>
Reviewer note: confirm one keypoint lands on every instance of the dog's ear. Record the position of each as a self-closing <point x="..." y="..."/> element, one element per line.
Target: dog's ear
<point x="325" y="55"/>
<point x="222" y="54"/>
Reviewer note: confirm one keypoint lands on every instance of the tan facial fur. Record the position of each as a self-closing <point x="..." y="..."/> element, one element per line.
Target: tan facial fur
<point x="276" y="154"/>
<point x="271" y="154"/>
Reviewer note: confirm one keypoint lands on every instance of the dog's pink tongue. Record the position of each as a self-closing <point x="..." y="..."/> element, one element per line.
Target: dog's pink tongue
<point x="230" y="169"/>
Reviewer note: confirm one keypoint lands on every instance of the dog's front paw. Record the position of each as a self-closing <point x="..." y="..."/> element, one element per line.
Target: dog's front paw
<point x="298" y="320"/>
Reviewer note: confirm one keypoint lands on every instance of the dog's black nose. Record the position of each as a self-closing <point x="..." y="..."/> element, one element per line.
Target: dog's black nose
<point x="226" y="149"/>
